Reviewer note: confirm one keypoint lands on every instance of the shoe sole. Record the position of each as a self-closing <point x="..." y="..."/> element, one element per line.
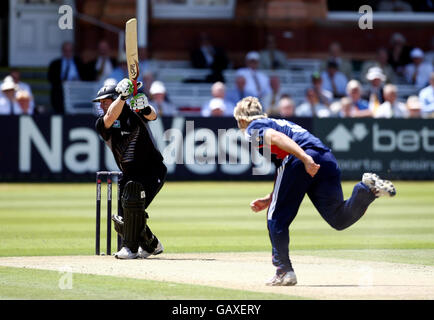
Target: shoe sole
<point x="292" y="281"/>
<point x="369" y="179"/>
<point x="386" y="186"/>
<point x="374" y="181"/>
<point x="289" y="283"/>
<point x="151" y="254"/>
<point x="282" y="284"/>
<point x="126" y="258"/>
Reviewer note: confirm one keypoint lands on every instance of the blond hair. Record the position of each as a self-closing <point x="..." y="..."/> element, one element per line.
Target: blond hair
<point x="353" y="84"/>
<point x="249" y="109"/>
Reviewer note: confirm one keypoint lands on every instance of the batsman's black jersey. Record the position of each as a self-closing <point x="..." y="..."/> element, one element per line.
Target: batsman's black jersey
<point x="132" y="144"/>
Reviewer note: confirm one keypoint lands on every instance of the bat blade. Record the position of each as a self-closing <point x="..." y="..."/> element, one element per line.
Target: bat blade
<point x="132" y="52"/>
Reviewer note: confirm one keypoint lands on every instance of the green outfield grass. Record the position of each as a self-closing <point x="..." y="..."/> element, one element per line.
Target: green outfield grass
<point x="59" y="219"/>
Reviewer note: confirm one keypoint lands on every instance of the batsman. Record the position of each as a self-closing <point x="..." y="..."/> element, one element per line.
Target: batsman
<point x="125" y="130"/>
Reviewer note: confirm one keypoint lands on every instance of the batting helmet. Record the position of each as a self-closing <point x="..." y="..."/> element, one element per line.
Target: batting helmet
<point x="106" y="92"/>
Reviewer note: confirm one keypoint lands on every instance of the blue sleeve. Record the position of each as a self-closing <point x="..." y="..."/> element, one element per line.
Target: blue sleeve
<point x="256" y="129"/>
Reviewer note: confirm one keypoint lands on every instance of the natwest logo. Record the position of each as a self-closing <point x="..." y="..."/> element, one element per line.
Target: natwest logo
<point x="386" y="140"/>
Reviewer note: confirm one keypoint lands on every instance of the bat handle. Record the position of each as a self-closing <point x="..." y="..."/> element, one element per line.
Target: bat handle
<point x="134" y="87"/>
<point x="135" y="91"/>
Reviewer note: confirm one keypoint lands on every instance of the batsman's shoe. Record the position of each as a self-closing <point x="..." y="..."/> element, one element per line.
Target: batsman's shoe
<point x="125" y="253"/>
<point x="142" y="253"/>
<point x="285" y="279"/>
<point x="381" y="188"/>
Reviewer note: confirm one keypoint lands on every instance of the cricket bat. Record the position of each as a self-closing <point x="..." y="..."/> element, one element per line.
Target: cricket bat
<point x="131" y="52"/>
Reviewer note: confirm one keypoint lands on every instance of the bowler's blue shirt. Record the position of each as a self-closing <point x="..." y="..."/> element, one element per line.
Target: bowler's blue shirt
<point x="301" y="136"/>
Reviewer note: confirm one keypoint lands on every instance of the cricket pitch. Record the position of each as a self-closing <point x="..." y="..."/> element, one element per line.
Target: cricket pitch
<point x="318" y="278"/>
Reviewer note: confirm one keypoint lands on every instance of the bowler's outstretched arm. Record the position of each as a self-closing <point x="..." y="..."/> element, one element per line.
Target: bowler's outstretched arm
<point x="285" y="143"/>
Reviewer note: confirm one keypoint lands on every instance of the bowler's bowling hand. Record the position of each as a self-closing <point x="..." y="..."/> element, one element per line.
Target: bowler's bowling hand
<point x="260" y="204"/>
<point x="310" y="166"/>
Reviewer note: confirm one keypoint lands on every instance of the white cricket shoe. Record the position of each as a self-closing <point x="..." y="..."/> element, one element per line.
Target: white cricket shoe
<point x="125" y="253"/>
<point x="144" y="254"/>
<point x="285" y="279"/>
<point x="381" y="188"/>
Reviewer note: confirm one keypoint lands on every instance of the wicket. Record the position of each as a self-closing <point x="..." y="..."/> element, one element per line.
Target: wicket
<point x="99" y="176"/>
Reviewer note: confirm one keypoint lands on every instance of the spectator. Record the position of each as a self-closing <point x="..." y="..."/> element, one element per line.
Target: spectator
<point x="208" y="56"/>
<point x="426" y="97"/>
<point x="325" y="97"/>
<point x="8" y="103"/>
<point x="66" y="68"/>
<point x="121" y="70"/>
<point x="16" y="77"/>
<point x="102" y="67"/>
<point x="218" y="90"/>
<point x="256" y="81"/>
<point x="239" y="91"/>
<point x="217" y="107"/>
<point x="374" y="93"/>
<point x="333" y="80"/>
<point x="346" y="107"/>
<point x="399" y="53"/>
<point x="312" y="107"/>
<point x="272" y="99"/>
<point x="272" y="58"/>
<point x="418" y="72"/>
<point x="342" y="64"/>
<point x="359" y="107"/>
<point x="414" y="107"/>
<point x="158" y="100"/>
<point x="286" y="107"/>
<point x="24" y="99"/>
<point x="391" y="107"/>
<point x="381" y="61"/>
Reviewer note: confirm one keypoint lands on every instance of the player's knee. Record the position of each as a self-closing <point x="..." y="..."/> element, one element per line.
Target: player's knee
<point x="133" y="196"/>
<point x="339" y="227"/>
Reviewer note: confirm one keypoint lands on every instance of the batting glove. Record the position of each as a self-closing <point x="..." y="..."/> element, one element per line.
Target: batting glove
<point x="139" y="103"/>
<point x="124" y="88"/>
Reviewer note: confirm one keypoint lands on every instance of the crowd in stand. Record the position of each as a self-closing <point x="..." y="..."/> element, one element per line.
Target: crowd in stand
<point x="334" y="90"/>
